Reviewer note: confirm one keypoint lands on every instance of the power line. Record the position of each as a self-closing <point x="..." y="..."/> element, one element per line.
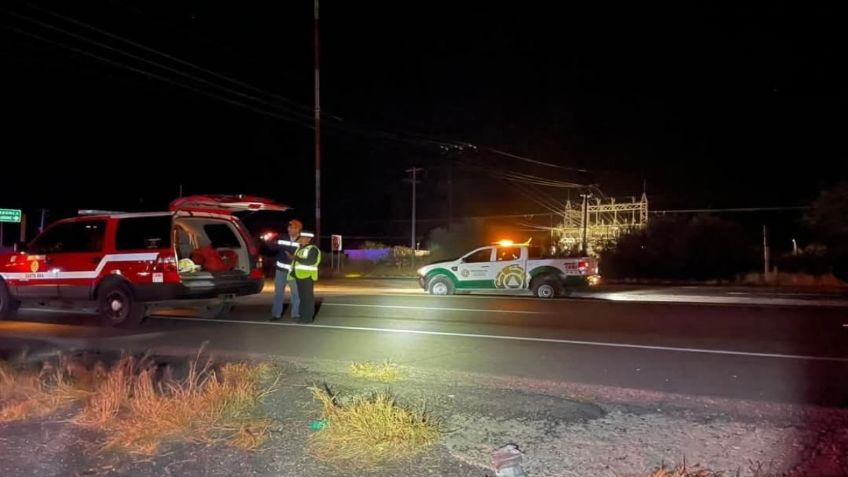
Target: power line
<point x="734" y="209"/>
<point x="154" y="75"/>
<point x="148" y="73"/>
<point x="541" y="199"/>
<point x="534" y="180"/>
<point x="532" y="161"/>
<point x="544" y="199"/>
<point x="376" y="133"/>
<point x="170" y="57"/>
<point x="414" y="138"/>
<point x="148" y="61"/>
<point x="534" y="227"/>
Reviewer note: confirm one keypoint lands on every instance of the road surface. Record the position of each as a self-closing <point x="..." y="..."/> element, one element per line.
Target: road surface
<point x="736" y="343"/>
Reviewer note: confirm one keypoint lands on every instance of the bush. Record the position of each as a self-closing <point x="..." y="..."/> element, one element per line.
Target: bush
<point x="813" y="260"/>
<point x="701" y="248"/>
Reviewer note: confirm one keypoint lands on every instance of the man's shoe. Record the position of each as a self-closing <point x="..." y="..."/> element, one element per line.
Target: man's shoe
<point x="275" y="318"/>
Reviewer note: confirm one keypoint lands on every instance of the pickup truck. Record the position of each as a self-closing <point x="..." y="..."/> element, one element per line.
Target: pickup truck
<point x="505" y="268"/>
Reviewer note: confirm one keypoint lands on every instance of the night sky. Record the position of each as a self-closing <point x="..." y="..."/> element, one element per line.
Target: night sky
<point x="710" y="106"/>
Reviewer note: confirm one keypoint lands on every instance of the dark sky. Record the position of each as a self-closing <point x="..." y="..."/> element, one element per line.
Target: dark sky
<point x="718" y="106"/>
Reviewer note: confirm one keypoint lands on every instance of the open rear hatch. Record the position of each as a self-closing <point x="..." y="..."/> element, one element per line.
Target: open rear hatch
<point x="225" y="204"/>
<point x="237" y="247"/>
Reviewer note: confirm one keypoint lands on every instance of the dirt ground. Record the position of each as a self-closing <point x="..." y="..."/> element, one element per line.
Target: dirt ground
<point x="564" y="430"/>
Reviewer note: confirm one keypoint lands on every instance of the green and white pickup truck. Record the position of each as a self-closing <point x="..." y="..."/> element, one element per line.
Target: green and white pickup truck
<point x="509" y="269"/>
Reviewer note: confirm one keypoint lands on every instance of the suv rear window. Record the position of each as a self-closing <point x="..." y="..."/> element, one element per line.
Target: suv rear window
<point x="140" y="233"/>
<point x="221" y="236"/>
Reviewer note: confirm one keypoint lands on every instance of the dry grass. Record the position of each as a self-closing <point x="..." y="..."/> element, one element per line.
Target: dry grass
<point x="682" y="471"/>
<point x="754" y="470"/>
<point x="386" y="372"/>
<point x="139" y="406"/>
<point x="368" y="431"/>
<point x="27" y="393"/>
<point x="139" y="412"/>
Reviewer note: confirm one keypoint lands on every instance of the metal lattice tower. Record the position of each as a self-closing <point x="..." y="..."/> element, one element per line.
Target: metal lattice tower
<point x="607" y="221"/>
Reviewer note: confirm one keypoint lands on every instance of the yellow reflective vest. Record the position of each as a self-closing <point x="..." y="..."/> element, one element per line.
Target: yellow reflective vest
<point x="306" y="261"/>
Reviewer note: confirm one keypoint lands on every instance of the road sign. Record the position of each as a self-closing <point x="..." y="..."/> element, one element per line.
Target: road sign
<point x="10" y="215"/>
<point x="336" y="243"/>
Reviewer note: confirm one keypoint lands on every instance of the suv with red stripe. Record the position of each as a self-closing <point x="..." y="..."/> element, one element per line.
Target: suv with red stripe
<point x="128" y="263"/>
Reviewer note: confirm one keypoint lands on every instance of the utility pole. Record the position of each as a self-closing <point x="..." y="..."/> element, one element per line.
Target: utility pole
<point x="23" y="227"/>
<point x="41" y="228"/>
<point x="585" y="245"/>
<point x="450" y="192"/>
<point x="414" y="171"/>
<point x="765" y="254"/>
<point x="317" y="131"/>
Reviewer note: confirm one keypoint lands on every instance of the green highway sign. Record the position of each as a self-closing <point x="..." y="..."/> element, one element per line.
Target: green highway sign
<point x="10" y="215"/>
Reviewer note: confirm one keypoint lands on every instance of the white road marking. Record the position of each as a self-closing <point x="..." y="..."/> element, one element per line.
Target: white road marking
<point x="408" y="307"/>
<point x="518" y="338"/>
<point x="647" y="297"/>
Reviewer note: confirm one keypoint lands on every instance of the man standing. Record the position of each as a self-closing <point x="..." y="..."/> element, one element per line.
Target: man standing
<point x="286" y="250"/>
<point x="305" y="270"/>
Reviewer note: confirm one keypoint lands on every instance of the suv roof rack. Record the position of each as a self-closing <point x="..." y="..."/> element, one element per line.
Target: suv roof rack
<point x="97" y="212"/>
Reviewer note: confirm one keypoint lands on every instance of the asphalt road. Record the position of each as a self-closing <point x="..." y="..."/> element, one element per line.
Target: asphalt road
<point x="770" y="345"/>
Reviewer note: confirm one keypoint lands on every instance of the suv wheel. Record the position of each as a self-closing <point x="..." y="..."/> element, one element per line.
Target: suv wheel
<point x="216" y="310"/>
<point x="545" y="288"/>
<point x="440" y="286"/>
<point x="118" y="307"/>
<point x="8" y="304"/>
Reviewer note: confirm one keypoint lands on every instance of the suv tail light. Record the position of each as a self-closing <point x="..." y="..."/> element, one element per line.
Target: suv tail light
<point x="167" y="264"/>
<point x="259" y="270"/>
<point x="169" y="268"/>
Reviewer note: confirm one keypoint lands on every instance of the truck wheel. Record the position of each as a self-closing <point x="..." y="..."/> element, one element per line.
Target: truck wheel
<point x="8" y="304"/>
<point x="216" y="310"/>
<point x="118" y="307"/>
<point x="545" y="288"/>
<point x="440" y="286"/>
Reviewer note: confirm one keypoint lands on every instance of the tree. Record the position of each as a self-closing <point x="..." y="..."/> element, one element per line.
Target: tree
<point x="673" y="248"/>
<point x="459" y="239"/>
<point x="828" y="220"/>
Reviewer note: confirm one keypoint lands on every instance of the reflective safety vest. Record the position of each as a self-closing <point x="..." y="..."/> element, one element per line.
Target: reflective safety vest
<point x="303" y="271"/>
<point x="285" y="246"/>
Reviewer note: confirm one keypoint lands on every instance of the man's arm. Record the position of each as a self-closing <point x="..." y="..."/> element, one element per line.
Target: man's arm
<point x="311" y="257"/>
